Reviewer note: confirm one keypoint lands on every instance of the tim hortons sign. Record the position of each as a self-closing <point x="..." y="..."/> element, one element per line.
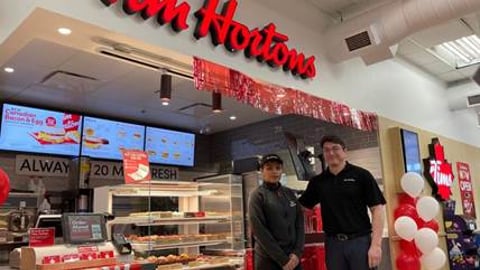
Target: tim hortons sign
<point x="266" y="45"/>
<point x="438" y="171"/>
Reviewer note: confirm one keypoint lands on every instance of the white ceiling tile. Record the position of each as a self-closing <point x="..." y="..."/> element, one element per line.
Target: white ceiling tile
<point x="96" y="66"/>
<point x="24" y="75"/>
<point x="437" y="67"/>
<point x="469" y="71"/>
<point x="408" y="47"/>
<point x="420" y="57"/>
<point x="53" y="97"/>
<point x="42" y="53"/>
<point x="451" y="76"/>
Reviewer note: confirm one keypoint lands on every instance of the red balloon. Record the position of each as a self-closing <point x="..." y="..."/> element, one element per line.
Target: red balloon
<point x="409" y="248"/>
<point x="406" y="210"/>
<point x="432" y="224"/>
<point x="4" y="186"/>
<point x="404" y="198"/>
<point x="407" y="262"/>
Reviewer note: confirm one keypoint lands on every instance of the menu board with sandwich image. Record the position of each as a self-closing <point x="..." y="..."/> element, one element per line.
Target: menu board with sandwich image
<point x="170" y="147"/>
<point x="106" y="138"/>
<point x="35" y="130"/>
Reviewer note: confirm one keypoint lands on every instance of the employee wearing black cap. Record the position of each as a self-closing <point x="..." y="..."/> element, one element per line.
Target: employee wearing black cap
<point x="276" y="220"/>
<point x="345" y="193"/>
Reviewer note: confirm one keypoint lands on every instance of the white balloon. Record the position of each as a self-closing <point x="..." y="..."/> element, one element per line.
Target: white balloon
<point x="434" y="260"/>
<point x="405" y="227"/>
<point x="412" y="183"/>
<point x="427" y="208"/>
<point x="426" y="240"/>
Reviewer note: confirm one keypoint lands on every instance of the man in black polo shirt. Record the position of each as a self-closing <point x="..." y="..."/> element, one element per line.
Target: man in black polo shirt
<point x="345" y="193"/>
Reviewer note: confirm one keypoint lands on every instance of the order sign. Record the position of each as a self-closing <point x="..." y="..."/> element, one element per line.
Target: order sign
<point x="135" y="166"/>
<point x="41" y="237"/>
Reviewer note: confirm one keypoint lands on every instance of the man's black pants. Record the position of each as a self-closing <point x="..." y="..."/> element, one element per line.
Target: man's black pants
<point x="351" y="254"/>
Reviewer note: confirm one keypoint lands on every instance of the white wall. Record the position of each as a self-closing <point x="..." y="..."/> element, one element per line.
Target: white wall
<point x="391" y="88"/>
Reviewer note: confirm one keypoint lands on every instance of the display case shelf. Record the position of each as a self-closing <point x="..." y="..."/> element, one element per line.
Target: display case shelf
<point x="152" y="247"/>
<point x="185" y="208"/>
<point x="152" y="221"/>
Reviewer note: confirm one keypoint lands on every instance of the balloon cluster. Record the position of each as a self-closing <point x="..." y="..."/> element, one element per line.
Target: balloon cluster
<point x="417" y="228"/>
<point x="4" y="186"/>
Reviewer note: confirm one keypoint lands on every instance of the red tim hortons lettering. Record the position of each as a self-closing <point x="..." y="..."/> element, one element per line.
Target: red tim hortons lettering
<point x="219" y="25"/>
<point x="167" y="11"/>
<point x="266" y="45"/>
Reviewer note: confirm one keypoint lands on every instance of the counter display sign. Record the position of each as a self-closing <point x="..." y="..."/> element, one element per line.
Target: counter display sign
<point x="135" y="166"/>
<point x="35" y="130"/>
<point x="106" y="139"/>
<point x="170" y="147"/>
<point x="41" y="237"/>
<point x="83" y="228"/>
<point x="466" y="189"/>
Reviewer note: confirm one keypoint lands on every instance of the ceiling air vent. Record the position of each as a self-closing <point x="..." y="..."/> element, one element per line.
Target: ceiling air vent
<point x="358" y="41"/>
<point x="199" y="110"/>
<point x="65" y="80"/>
<point x="147" y="60"/>
<point x="473" y="101"/>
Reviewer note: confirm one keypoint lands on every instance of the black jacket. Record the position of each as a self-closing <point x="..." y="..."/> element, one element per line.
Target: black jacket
<point x="276" y="219"/>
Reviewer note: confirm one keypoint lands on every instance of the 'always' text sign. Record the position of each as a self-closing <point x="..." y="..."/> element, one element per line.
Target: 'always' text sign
<point x="42" y="166"/>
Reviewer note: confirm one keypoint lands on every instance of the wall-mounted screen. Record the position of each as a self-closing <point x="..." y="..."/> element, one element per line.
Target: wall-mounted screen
<point x="170" y="147"/>
<point x="411" y="151"/>
<point x="106" y="139"/>
<point x="28" y="129"/>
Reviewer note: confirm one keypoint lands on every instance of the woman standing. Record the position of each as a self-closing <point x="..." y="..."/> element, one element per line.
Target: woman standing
<point x="276" y="219"/>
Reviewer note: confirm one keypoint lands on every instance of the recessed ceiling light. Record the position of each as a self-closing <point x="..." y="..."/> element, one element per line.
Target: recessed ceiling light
<point x="64" y="31"/>
<point x="9" y="69"/>
<point x="165" y="103"/>
<point x="233" y="118"/>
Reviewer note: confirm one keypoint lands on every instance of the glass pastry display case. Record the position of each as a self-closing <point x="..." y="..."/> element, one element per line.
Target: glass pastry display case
<point x="176" y="224"/>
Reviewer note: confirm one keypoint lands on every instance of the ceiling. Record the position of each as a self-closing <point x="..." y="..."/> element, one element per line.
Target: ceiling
<point x="118" y="89"/>
<point x="417" y="48"/>
<point x="55" y="72"/>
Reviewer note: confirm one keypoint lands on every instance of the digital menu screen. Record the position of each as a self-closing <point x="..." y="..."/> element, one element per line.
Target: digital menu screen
<point x="411" y="151"/>
<point x="106" y="138"/>
<point x="84" y="228"/>
<point x="170" y="147"/>
<point x="35" y="130"/>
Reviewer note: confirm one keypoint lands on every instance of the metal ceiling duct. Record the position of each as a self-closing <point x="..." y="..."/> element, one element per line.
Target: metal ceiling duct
<point x="371" y="34"/>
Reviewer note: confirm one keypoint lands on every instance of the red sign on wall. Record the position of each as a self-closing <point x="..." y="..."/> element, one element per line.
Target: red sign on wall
<point x="438" y="171"/>
<point x="466" y="189"/>
<point x="265" y="45"/>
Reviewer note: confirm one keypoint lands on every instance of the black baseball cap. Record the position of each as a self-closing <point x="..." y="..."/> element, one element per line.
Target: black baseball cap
<point x="270" y="158"/>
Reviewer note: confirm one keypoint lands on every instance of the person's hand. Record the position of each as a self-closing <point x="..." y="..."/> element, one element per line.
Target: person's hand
<point x="292" y="263"/>
<point x="288" y="266"/>
<point x="374" y="256"/>
<point x="295" y="259"/>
